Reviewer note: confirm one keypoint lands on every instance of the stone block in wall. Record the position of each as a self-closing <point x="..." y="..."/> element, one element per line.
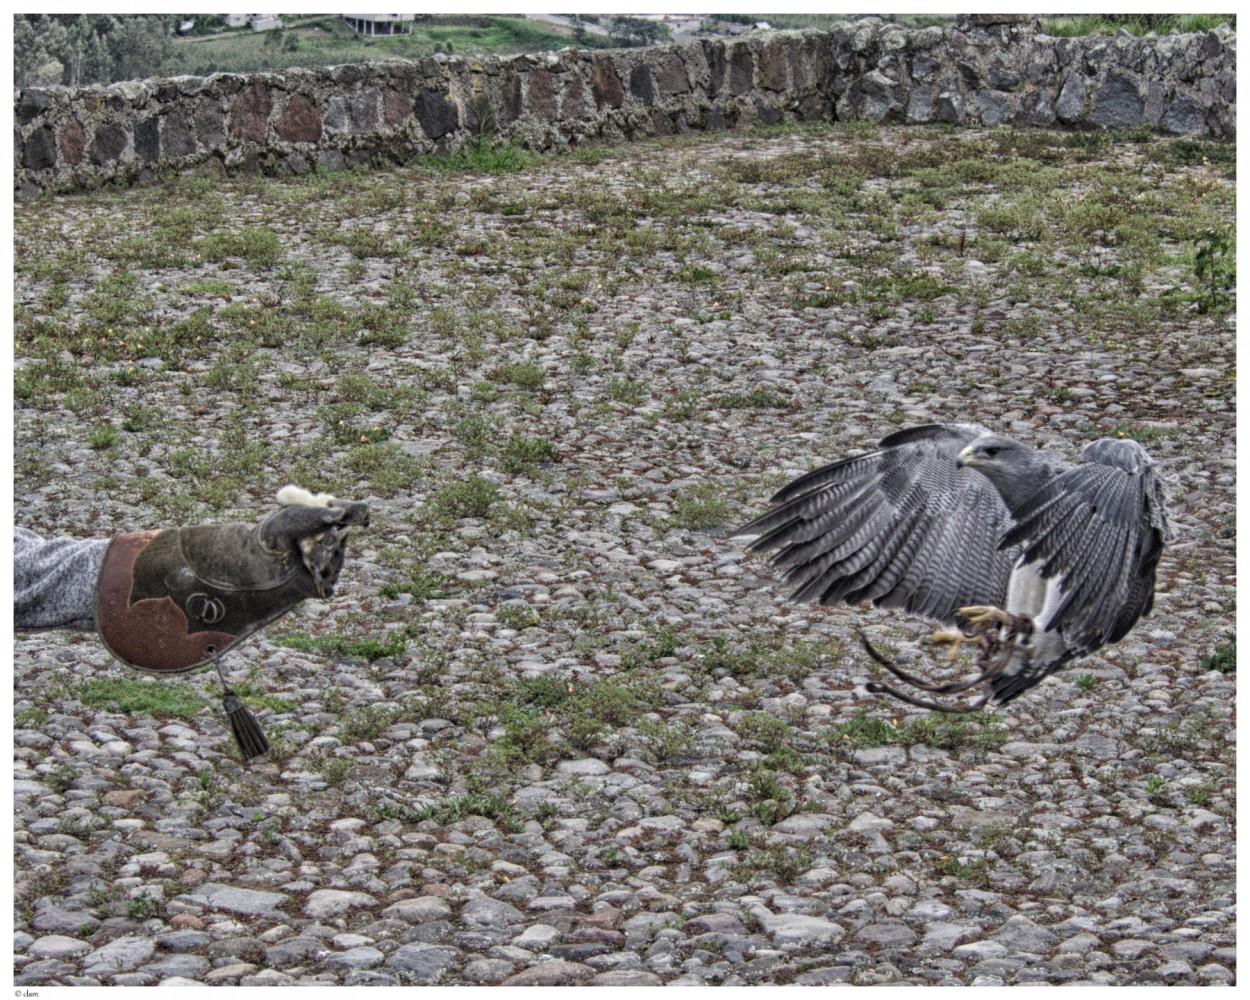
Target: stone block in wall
<point x="1154" y="102"/>
<point x="1118" y="102"/>
<point x="396" y="108"/>
<point x="1035" y="111"/>
<point x="210" y="124"/>
<point x="364" y="110"/>
<point x="73" y="143"/>
<point x="573" y="102"/>
<point x="670" y="75"/>
<point x="300" y="121"/>
<point x="812" y="108"/>
<point x="605" y="83"/>
<point x="148" y="139"/>
<point x="540" y="95"/>
<point x="1070" y="105"/>
<point x="108" y="144"/>
<point x="335" y="120"/>
<point x="992" y="107"/>
<point x="177" y="138"/>
<point x="640" y="85"/>
<point x="249" y="114"/>
<point x="1003" y="78"/>
<point x="436" y="115"/>
<point x="920" y="104"/>
<point x="512" y="101"/>
<point x="773" y="65"/>
<point x="32" y="104"/>
<point x="767" y="113"/>
<point x="40" y="151"/>
<point x="1183" y="117"/>
<point x="741" y="69"/>
<point x="331" y="159"/>
<point x="879" y="96"/>
<point x="924" y="66"/>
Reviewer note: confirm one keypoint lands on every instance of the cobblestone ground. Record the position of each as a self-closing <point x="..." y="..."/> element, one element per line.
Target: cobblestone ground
<point x="555" y="727"/>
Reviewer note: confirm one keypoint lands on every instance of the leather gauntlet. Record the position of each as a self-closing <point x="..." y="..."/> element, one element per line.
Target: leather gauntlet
<point x="175" y="599"/>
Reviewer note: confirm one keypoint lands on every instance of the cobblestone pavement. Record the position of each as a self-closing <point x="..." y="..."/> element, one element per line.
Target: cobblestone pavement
<point x="555" y="727"/>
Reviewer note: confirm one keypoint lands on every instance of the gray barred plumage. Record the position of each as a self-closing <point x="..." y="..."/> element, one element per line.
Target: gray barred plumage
<point x="943" y="516"/>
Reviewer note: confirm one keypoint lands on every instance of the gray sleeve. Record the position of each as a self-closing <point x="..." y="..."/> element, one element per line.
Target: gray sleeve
<point x="54" y="580"/>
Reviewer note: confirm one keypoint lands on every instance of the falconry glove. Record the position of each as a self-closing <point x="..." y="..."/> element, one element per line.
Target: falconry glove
<point x="175" y="599"/>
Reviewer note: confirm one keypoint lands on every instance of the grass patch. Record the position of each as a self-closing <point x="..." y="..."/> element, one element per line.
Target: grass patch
<point x="778" y="861"/>
<point x="699" y="507"/>
<point x="759" y="398"/>
<point x="454" y="808"/>
<point x="485" y="157"/>
<point x="968" y="869"/>
<point x="522" y="453"/>
<point x="939" y="730"/>
<point x="762" y="731"/>
<point x="471" y="497"/>
<point x="1135" y="24"/>
<point x="665" y="740"/>
<point x="392" y="645"/>
<point x="422" y="586"/>
<point x="158" y="697"/>
<point x="259" y="247"/>
<point x="1223" y="658"/>
<point x="369" y="722"/>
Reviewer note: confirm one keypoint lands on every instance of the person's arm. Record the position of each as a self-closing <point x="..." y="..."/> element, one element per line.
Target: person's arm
<point x="54" y="580"/>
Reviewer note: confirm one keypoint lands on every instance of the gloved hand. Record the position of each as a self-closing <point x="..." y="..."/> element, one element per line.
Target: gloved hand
<point x="175" y="599"/>
<point x="317" y="534"/>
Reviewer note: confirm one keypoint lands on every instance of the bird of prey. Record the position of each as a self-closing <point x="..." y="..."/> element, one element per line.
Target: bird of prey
<point x="1043" y="561"/>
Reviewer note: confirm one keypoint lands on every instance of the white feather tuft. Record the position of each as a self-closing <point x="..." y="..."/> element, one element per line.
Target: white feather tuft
<point x="297" y="496"/>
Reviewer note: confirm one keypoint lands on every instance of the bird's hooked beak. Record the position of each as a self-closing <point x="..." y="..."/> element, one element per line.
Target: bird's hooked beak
<point x="967" y="457"/>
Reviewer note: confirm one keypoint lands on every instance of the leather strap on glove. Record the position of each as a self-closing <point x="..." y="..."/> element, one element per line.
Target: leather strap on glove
<point x="175" y="599"/>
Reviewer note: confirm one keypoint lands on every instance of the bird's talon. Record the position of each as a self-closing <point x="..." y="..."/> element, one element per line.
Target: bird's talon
<point x="981" y="617"/>
<point x="952" y="638"/>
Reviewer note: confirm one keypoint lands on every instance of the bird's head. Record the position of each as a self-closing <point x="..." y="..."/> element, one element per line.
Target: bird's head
<point x="990" y="450"/>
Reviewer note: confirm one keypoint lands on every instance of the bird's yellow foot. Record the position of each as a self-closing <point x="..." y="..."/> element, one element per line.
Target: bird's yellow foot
<point x="980" y="617"/>
<point x="953" y="638"/>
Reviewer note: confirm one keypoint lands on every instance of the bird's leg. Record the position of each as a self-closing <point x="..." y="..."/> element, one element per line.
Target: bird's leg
<point x="876" y="687"/>
<point x="951" y="687"/>
<point x="954" y="638"/>
<point x="980" y="617"/>
<point x="994" y="631"/>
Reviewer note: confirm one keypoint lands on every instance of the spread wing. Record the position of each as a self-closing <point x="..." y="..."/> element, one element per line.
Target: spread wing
<point x="1099" y="530"/>
<point x="904" y="526"/>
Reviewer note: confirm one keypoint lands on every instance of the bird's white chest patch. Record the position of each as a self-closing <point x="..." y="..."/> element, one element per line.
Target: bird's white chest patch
<point x="1031" y="594"/>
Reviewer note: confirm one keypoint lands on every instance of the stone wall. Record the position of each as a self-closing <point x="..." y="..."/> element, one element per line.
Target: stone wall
<point x="988" y="71"/>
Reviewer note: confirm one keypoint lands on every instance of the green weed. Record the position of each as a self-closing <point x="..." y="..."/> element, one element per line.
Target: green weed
<point x="699" y="507"/>
<point x="156" y="697"/>
<point x="470" y="497"/>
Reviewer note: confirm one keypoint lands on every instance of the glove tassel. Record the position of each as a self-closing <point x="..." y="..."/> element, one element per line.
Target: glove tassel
<point x="247" y="731"/>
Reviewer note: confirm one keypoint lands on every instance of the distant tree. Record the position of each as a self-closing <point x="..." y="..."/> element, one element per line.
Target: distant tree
<point x="141" y="46"/>
<point x="90" y="48"/>
<point x="636" y="30"/>
<point x="206" y="24"/>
